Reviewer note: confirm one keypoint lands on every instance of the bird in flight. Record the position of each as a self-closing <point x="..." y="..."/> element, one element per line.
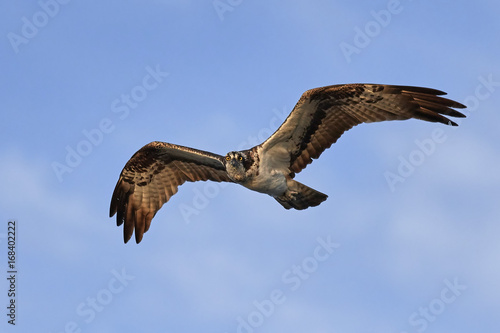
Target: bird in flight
<point x="154" y="173"/>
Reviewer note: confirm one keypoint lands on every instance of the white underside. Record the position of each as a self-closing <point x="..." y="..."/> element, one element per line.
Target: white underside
<point x="272" y="171"/>
<point x="273" y="183"/>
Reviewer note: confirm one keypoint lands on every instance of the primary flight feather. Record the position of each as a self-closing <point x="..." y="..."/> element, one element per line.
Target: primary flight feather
<point x="154" y="173"/>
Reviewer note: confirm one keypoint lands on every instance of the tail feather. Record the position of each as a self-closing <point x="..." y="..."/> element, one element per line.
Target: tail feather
<point x="300" y="196"/>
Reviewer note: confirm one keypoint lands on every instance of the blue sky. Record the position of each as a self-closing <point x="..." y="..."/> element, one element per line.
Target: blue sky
<point x="86" y="84"/>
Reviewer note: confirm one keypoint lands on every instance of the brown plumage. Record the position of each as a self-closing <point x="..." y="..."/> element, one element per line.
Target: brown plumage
<point x="152" y="176"/>
<point x="323" y="114"/>
<point x="319" y="118"/>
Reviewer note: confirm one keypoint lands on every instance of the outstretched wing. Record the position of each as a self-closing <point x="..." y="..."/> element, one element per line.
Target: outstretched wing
<point x="152" y="176"/>
<point x="321" y="116"/>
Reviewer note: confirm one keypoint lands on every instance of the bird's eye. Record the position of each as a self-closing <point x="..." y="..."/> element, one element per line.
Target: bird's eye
<point x="241" y="158"/>
<point x="228" y="158"/>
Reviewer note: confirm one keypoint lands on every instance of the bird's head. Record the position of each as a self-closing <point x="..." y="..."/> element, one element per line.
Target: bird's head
<point x="235" y="166"/>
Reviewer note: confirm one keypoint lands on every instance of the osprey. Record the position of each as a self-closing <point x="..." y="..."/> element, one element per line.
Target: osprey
<point x="154" y="173"/>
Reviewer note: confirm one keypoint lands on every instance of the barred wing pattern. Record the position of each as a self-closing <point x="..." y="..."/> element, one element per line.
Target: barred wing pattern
<point x="151" y="177"/>
<point x="154" y="173"/>
<point x="323" y="114"/>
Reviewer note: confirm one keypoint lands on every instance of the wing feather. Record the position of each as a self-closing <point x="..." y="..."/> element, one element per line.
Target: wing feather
<point x="152" y="176"/>
<point x="323" y="114"/>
